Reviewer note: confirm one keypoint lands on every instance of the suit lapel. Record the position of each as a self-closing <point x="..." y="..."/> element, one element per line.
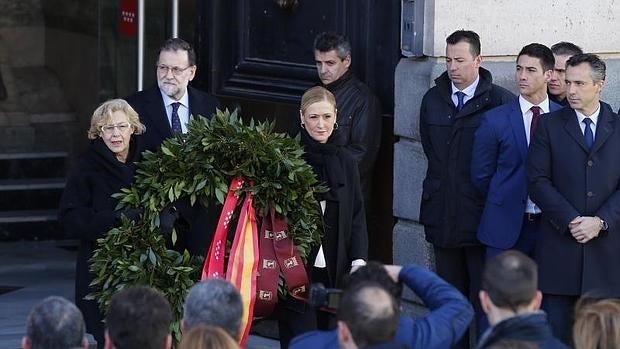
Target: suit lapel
<point x="192" y="103"/>
<point x="518" y="129"/>
<point x="158" y="110"/>
<point x="572" y="127"/>
<point x="604" y="128"/>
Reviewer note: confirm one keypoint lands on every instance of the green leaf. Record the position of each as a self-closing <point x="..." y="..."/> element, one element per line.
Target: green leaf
<point x="166" y="151"/>
<point x="220" y="195"/>
<point x="152" y="257"/>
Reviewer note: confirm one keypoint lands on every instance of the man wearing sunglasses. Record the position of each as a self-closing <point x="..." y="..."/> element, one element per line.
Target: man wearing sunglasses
<point x="166" y="109"/>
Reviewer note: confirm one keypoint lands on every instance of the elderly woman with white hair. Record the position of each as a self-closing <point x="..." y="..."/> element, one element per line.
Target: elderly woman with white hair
<point x="87" y="207"/>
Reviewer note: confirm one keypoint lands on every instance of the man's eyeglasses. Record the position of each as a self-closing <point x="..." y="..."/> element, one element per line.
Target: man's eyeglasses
<point x="109" y="129"/>
<point x="176" y="71"/>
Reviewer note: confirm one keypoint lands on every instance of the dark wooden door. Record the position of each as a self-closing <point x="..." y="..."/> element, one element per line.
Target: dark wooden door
<point x="258" y="54"/>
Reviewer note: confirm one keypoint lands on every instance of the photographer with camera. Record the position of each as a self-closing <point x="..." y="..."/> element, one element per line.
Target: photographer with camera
<point x="447" y="320"/>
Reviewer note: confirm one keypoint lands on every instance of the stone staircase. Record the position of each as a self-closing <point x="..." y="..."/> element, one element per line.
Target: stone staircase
<point x="36" y="127"/>
<point x="30" y="187"/>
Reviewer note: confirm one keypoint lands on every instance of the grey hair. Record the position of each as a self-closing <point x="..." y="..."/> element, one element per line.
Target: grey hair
<point x="564" y="48"/>
<point x="328" y="41"/>
<point x="55" y="323"/>
<point x="594" y="61"/>
<point x="214" y="302"/>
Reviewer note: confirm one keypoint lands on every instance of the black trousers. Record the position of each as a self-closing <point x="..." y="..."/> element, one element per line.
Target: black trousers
<point x="462" y="268"/>
<point x="560" y="314"/>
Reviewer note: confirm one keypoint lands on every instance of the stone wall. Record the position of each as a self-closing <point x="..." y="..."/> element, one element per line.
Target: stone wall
<point x="503" y="28"/>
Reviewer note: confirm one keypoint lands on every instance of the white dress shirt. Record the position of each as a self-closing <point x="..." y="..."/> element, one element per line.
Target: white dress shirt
<point x="593" y="117"/>
<point x="526" y="112"/>
<point x="469" y="92"/>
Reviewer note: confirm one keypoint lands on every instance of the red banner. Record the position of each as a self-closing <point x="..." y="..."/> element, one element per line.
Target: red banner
<point x="128" y="18"/>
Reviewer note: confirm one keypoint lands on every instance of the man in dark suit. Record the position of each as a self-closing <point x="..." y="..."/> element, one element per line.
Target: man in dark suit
<point x="166" y="109"/>
<point x="510" y="219"/>
<point x="451" y="207"/>
<point x="573" y="173"/>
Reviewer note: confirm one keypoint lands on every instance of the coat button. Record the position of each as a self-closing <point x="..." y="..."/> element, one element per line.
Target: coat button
<point x="590" y="162"/>
<point x="590" y="194"/>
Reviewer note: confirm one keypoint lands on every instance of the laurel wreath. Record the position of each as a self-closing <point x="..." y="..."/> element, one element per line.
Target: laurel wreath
<point x="199" y="165"/>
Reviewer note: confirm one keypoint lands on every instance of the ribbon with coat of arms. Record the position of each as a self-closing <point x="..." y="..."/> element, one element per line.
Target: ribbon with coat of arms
<point x="256" y="260"/>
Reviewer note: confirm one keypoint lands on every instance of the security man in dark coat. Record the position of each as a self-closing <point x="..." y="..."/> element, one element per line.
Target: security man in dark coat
<point x="573" y="172"/>
<point x="451" y="207"/>
<point x="359" y="119"/>
<point x="166" y="109"/>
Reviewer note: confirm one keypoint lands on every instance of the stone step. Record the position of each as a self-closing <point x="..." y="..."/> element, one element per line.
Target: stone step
<point x="30" y="225"/>
<point x="31" y="184"/>
<point x="30" y="194"/>
<point x="28" y="216"/>
<point x="33" y="165"/>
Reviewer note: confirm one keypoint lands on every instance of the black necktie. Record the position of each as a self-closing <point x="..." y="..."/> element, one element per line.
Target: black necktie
<point x="176" y="121"/>
<point x="587" y="133"/>
<point x="460" y="96"/>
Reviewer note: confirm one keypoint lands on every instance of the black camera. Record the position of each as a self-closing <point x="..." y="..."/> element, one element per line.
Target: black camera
<point x="327" y="298"/>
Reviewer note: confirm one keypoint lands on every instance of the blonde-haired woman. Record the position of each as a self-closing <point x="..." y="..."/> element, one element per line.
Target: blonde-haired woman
<point x="597" y="324"/>
<point x="207" y="337"/>
<point x="86" y="206"/>
<point x="344" y="240"/>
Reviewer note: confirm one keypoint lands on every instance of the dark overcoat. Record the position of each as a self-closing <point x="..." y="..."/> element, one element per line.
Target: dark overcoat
<point x="345" y="235"/>
<point x="87" y="211"/>
<point x="451" y="207"/>
<point x="565" y="181"/>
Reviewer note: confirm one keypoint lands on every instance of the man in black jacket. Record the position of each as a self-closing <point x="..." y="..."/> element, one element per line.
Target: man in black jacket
<point x="451" y="207"/>
<point x="358" y="118"/>
<point x="511" y="300"/>
<point x="166" y="109"/>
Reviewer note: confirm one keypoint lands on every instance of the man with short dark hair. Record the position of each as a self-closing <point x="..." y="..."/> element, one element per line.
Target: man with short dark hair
<point x="510" y="219"/>
<point x="562" y="51"/>
<point x="213" y="302"/>
<point x="54" y="323"/>
<point x="451" y="207"/>
<point x="511" y="300"/>
<point x="573" y="174"/>
<point x="138" y="317"/>
<point x="358" y="117"/>
<point x="448" y="318"/>
<point x="367" y="318"/>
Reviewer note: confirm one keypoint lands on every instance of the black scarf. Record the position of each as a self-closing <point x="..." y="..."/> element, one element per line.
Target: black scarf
<point x="325" y="161"/>
<point x="101" y="154"/>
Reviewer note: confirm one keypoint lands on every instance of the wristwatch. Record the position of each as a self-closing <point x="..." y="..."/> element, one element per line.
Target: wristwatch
<point x="604" y="225"/>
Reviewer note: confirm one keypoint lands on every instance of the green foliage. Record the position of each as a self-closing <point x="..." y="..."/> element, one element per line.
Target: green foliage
<point x="200" y="165"/>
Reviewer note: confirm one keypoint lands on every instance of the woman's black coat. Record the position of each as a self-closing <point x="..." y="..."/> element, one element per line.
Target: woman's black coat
<point x="345" y="236"/>
<point x="87" y="211"/>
